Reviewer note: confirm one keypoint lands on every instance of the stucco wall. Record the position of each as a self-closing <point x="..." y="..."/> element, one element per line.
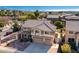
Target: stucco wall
<point x="75" y="36"/>
<point x="68" y="35"/>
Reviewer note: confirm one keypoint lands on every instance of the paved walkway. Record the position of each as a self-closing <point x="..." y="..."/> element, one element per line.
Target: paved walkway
<point x="53" y="48"/>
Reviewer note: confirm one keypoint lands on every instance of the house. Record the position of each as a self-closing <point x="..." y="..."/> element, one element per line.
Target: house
<point x="38" y="31"/>
<point x="72" y="17"/>
<point x="52" y="17"/>
<point x="8" y="23"/>
<point x="72" y="32"/>
<point x="43" y="15"/>
<point x="66" y="14"/>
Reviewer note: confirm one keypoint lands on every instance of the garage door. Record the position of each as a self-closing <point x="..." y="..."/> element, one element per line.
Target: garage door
<point x="37" y="40"/>
<point x="48" y="41"/>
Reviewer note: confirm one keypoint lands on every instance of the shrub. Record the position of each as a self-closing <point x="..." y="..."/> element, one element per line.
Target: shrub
<point x="65" y="48"/>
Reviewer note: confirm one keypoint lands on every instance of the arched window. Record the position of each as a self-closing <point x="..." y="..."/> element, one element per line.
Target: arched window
<point x="36" y="31"/>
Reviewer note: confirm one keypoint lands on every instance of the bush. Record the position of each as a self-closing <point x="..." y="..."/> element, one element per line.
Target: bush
<point x="59" y="24"/>
<point x="1" y="24"/>
<point x="16" y="27"/>
<point x="65" y="48"/>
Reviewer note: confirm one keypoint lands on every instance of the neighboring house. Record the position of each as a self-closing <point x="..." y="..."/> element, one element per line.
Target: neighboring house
<point x="52" y="17"/>
<point x="38" y="31"/>
<point x="72" y="17"/>
<point x="72" y="32"/>
<point x="43" y="15"/>
<point x="8" y="23"/>
<point x="66" y="14"/>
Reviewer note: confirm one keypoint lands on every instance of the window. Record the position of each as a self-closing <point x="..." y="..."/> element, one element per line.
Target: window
<point x="71" y="32"/>
<point x="71" y="39"/>
<point x="42" y="32"/>
<point x="36" y="31"/>
<point x="46" y="32"/>
<point x="25" y="35"/>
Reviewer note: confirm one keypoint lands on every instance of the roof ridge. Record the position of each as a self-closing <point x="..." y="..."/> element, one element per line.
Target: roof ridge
<point x="47" y="26"/>
<point x="38" y="24"/>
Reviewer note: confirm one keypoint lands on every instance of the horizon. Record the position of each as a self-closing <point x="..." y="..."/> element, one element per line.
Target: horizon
<point x="41" y="8"/>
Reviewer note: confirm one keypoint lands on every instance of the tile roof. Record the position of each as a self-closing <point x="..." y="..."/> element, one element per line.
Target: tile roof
<point x="72" y="17"/>
<point x="72" y="25"/>
<point x="53" y="16"/>
<point x="42" y="25"/>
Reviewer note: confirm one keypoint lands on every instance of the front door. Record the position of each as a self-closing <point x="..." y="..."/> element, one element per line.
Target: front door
<point x="30" y="38"/>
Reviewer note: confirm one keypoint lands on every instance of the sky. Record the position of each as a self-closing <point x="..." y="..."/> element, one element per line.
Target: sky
<point x="42" y="8"/>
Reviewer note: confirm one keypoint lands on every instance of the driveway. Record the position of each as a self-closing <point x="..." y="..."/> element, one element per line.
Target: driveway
<point x="9" y="50"/>
<point x="37" y="48"/>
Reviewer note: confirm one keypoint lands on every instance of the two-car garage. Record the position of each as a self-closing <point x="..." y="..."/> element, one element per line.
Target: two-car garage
<point x="43" y="40"/>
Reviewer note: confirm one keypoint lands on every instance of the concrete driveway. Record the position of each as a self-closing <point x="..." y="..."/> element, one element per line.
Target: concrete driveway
<point x="37" y="48"/>
<point x="9" y="50"/>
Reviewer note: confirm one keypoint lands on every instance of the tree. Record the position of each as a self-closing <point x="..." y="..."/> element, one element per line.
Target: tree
<point x="8" y="12"/>
<point x="65" y="48"/>
<point x="23" y="18"/>
<point x="16" y="27"/>
<point x="36" y="13"/>
<point x="50" y="12"/>
<point x="31" y="16"/>
<point x="14" y="12"/>
<point x="1" y="24"/>
<point x="59" y="24"/>
<point x="21" y="13"/>
<point x="77" y="14"/>
<point x="2" y="13"/>
<point x="43" y="15"/>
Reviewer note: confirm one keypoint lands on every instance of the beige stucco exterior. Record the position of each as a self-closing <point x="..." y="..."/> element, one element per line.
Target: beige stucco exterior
<point x="75" y="36"/>
<point x="68" y="35"/>
<point x="43" y="40"/>
<point x="41" y="37"/>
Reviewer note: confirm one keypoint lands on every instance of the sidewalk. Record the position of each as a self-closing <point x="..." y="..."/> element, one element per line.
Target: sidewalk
<point x="53" y="48"/>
